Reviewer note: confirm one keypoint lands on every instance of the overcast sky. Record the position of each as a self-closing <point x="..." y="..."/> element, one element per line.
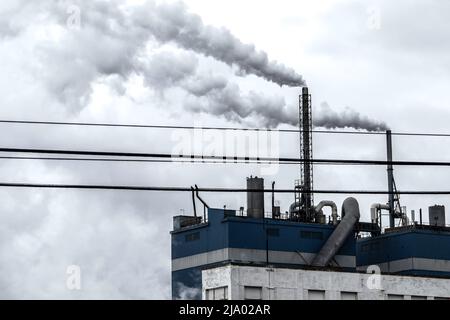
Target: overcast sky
<point x="368" y="64"/>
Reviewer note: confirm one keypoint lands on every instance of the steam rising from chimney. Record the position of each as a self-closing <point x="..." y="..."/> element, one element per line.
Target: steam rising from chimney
<point x="349" y="118"/>
<point x="173" y="23"/>
<point x="111" y="44"/>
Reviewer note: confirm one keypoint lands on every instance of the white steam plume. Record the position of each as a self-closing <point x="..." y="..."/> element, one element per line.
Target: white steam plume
<point x="173" y="23"/>
<point x="112" y="38"/>
<point x="215" y="95"/>
<point x="111" y="42"/>
<point x="349" y="118"/>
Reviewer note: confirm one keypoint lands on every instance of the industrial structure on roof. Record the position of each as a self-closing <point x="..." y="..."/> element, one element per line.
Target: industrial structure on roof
<point x="242" y="254"/>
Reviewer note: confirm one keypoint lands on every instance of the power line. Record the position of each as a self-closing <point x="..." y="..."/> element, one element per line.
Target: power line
<point x="216" y="128"/>
<point x="142" y="126"/>
<point x="188" y="161"/>
<point x="225" y="158"/>
<point x="208" y="190"/>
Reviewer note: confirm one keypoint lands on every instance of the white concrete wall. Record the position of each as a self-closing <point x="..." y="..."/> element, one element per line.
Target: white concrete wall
<point x="287" y="284"/>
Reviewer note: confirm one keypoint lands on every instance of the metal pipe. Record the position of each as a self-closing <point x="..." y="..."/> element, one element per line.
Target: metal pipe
<point x="333" y="206"/>
<point x="273" y="199"/>
<point x="390" y="174"/>
<point x="350" y="216"/>
<point x="205" y="206"/>
<point x="376" y="208"/>
<point x="193" y="201"/>
<point x="379" y="206"/>
<point x="293" y="207"/>
<point x="420" y="212"/>
<point x="198" y="196"/>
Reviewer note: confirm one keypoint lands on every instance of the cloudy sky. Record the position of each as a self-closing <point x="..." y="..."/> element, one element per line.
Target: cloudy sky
<point x="369" y="65"/>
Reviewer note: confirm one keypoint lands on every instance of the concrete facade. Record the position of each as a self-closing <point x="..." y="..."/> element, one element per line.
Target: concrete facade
<point x="235" y="282"/>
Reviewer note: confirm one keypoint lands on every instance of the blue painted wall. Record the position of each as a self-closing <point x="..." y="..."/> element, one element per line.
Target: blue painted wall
<point x="246" y="233"/>
<point x="388" y="247"/>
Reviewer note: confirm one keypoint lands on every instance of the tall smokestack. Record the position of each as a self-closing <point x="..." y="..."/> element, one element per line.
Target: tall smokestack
<point x="306" y="152"/>
<point x="390" y="176"/>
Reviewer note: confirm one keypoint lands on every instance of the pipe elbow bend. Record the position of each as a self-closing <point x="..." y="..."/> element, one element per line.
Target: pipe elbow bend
<point x="351" y="207"/>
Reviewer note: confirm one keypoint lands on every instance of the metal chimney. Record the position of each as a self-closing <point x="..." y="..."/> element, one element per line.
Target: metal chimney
<point x="306" y="167"/>
<point x="390" y="176"/>
<point x="255" y="199"/>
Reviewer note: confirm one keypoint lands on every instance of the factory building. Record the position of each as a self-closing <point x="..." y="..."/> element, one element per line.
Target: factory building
<point x="233" y="282"/>
<point x="229" y="237"/>
<point x="303" y="254"/>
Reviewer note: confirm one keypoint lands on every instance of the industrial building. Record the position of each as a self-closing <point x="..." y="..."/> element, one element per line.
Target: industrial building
<point x="244" y="254"/>
<point x="235" y="282"/>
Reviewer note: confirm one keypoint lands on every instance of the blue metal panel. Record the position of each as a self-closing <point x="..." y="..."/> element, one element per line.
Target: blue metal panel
<point x="212" y="236"/>
<point x="394" y="246"/>
<point x="425" y="273"/>
<point x="227" y="231"/>
<point x="251" y="234"/>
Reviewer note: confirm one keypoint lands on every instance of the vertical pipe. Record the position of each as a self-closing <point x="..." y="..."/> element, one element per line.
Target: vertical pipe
<point x="273" y="199"/>
<point x="390" y="174"/>
<point x="193" y="202"/>
<point x="267" y="243"/>
<point x="420" y="212"/>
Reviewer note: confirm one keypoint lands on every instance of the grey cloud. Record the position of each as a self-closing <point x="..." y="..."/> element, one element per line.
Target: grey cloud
<point x="397" y="33"/>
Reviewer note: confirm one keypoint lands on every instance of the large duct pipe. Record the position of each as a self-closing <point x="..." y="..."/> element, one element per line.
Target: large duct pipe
<point x="350" y="216"/>
<point x="333" y="206"/>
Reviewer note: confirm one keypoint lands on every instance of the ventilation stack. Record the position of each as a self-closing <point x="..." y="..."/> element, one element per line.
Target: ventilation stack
<point x="255" y="199"/>
<point x="390" y="172"/>
<point x="306" y="167"/>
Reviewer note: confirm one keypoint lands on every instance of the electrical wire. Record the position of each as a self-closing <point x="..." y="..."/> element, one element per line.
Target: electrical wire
<point x="224" y="158"/>
<point x="210" y="190"/>
<point x="188" y="161"/>
<point x="217" y="128"/>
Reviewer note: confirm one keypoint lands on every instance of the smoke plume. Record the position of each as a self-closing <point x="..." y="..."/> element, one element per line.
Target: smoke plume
<point x="348" y="118"/>
<point x="210" y="93"/>
<point x="112" y="40"/>
<point x="173" y="23"/>
<point x="112" y="43"/>
<point x="215" y="95"/>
